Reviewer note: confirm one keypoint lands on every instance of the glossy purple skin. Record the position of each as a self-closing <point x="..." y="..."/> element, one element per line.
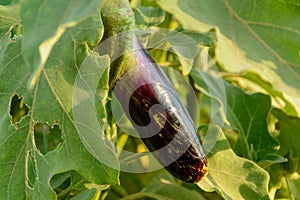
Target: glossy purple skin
<point x="167" y="130"/>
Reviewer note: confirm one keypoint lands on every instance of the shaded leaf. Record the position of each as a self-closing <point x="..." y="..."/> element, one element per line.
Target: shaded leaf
<point x="148" y="16"/>
<point x="246" y="113"/>
<point x="185" y="48"/>
<point x="270" y="159"/>
<point x="164" y="187"/>
<point x="289" y="136"/>
<point x="5" y="2"/>
<point x="86" y="195"/>
<point x="295" y="188"/>
<point x="50" y="102"/>
<point x="206" y="39"/>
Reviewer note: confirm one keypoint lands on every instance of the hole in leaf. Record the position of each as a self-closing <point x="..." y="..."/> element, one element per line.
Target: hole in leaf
<point x="18" y="109"/>
<point x="47" y="138"/>
<point x="14" y="33"/>
<point x="67" y="184"/>
<point x="31" y="173"/>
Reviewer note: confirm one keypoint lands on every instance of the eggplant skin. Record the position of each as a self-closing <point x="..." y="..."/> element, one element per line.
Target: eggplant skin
<point x="168" y="130"/>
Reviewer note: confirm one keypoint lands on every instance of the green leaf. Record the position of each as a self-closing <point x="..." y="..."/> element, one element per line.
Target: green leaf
<point x="205" y="39"/>
<point x="58" y="179"/>
<point x="246" y="113"/>
<point x="9" y="17"/>
<point x="86" y="195"/>
<point x="214" y="88"/>
<point x="289" y="127"/>
<point x="9" y="21"/>
<point x="23" y="168"/>
<point x="276" y="173"/>
<point x="12" y="158"/>
<point x="278" y="98"/>
<point x="11" y="62"/>
<point x="148" y="16"/>
<point x="250" y="37"/>
<point x="5" y="2"/>
<point x="89" y="129"/>
<point x="89" y="31"/>
<point x="289" y="136"/>
<point x="282" y="177"/>
<point x="232" y="176"/>
<point x="185" y="48"/>
<point x="270" y="159"/>
<point x="164" y="187"/>
<point x="44" y="23"/>
<point x="295" y="188"/>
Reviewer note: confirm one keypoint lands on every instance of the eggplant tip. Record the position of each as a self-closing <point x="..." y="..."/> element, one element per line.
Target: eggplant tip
<point x="202" y="173"/>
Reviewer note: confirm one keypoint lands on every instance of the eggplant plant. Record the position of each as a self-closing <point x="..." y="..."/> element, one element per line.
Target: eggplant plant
<point x="58" y="135"/>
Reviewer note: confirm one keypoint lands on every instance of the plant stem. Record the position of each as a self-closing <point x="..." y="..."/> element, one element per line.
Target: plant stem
<point x="118" y="19"/>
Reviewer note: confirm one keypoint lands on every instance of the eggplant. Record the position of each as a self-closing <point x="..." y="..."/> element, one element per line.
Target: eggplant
<point x="157" y="113"/>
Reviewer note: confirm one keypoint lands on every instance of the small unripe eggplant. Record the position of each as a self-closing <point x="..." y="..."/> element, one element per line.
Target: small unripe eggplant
<point x="157" y="113"/>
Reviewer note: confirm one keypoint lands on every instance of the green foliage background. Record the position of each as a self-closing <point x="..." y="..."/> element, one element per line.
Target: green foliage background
<point x="255" y="45"/>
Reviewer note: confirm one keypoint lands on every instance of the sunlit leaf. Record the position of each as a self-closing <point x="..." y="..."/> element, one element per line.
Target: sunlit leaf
<point x="258" y="36"/>
<point x="232" y="176"/>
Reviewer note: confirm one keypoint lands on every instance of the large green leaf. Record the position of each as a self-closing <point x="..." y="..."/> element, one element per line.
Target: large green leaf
<point x="44" y="23"/>
<point x="50" y="102"/>
<point x="246" y="113"/>
<point x="232" y="176"/>
<point x="259" y="36"/>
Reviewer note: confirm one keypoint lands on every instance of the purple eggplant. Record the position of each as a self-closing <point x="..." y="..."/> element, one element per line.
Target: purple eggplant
<point x="157" y="113"/>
